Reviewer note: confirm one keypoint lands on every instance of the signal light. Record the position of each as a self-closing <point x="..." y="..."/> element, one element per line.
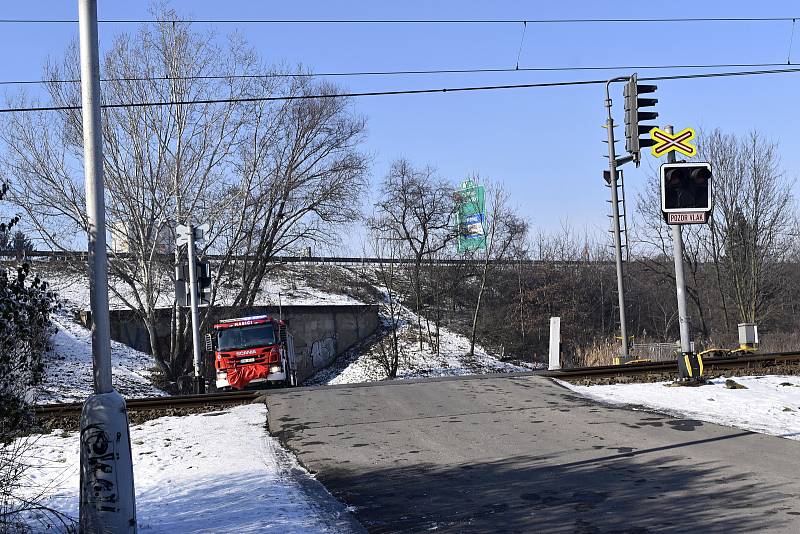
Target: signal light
<point x="633" y="128"/>
<point x="686" y="189"/>
<point x="204" y="283"/>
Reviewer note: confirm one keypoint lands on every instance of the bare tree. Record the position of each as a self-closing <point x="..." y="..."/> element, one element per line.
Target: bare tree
<point x="300" y="174"/>
<point x="753" y="218"/>
<point x="503" y="229"/>
<point x="652" y="247"/>
<point x="161" y="163"/>
<point x="742" y="252"/>
<point x="390" y="280"/>
<point x="266" y="175"/>
<point x="416" y="209"/>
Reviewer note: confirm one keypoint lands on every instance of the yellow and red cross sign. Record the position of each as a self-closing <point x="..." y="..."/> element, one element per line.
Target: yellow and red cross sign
<point x="665" y="142"/>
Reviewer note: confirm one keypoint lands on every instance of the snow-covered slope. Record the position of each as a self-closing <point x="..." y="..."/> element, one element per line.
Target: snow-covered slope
<point x="769" y="405"/>
<point x="452" y="359"/>
<point x="212" y="472"/>
<point x="286" y="286"/>
<point x="68" y="367"/>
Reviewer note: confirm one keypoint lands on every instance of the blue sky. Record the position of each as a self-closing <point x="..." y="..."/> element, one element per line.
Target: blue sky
<point x="544" y="144"/>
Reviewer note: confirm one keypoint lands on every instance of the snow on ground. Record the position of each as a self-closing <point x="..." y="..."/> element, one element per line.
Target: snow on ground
<point x="285" y="287"/>
<point x="452" y="360"/>
<point x="211" y="472"/>
<point x="769" y="405"/>
<point x="68" y="367"/>
<point x="290" y="290"/>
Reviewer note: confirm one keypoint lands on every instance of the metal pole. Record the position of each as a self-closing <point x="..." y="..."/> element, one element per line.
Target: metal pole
<point x="680" y="280"/>
<point x="612" y="168"/>
<point x="95" y="201"/>
<point x="107" y="502"/>
<point x="198" y="377"/>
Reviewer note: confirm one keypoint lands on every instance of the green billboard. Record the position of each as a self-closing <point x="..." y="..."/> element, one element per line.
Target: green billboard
<point x="471" y="216"/>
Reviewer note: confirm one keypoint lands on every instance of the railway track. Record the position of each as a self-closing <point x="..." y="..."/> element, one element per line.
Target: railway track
<point x="157" y="404"/>
<point x="779" y="361"/>
<point x="150" y="407"/>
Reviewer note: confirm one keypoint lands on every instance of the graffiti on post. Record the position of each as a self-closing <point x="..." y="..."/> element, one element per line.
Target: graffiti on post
<point x="100" y="450"/>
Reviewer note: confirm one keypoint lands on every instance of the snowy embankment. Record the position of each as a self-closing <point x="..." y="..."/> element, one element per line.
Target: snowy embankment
<point x="286" y="287"/>
<point x="294" y="285"/>
<point x="769" y="405"/>
<point x="452" y="359"/>
<point x="68" y="376"/>
<point x="68" y="367"/>
<point x="219" y="471"/>
<point x="211" y="472"/>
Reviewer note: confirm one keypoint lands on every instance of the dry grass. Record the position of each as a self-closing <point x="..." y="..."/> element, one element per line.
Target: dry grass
<point x="601" y="352"/>
<point x="779" y="342"/>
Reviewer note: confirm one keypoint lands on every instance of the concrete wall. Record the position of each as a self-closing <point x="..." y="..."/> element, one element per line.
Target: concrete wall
<point x="320" y="333"/>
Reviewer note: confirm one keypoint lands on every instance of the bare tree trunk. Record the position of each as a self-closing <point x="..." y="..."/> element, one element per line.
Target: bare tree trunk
<point x="478" y="306"/>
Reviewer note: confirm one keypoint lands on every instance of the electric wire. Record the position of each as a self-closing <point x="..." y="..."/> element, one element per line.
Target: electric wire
<point x="490" y="70"/>
<point x="403" y="92"/>
<point x="521" y="42"/>
<point x="408" y="21"/>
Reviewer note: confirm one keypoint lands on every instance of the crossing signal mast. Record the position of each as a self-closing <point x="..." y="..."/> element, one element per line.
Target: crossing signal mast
<point x="633" y="117"/>
<point x="686" y="198"/>
<point x="633" y="145"/>
<point x="196" y="292"/>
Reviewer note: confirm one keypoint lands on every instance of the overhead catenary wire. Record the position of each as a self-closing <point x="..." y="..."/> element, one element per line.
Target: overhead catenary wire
<point x="403" y="91"/>
<point x="411" y="21"/>
<point x="365" y="73"/>
<point x="521" y="42"/>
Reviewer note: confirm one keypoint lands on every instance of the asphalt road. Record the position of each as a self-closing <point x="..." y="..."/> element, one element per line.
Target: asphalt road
<point x="523" y="454"/>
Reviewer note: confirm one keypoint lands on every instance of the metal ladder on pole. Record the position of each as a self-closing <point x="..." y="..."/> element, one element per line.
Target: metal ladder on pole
<point x="623" y="214"/>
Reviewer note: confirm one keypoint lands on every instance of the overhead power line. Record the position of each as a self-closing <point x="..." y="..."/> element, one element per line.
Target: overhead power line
<point x="404" y="92"/>
<point x="407" y="72"/>
<point x="409" y="21"/>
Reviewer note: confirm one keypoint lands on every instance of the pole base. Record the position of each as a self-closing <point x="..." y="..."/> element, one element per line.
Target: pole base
<point x="107" y="492"/>
<point x="690" y="366"/>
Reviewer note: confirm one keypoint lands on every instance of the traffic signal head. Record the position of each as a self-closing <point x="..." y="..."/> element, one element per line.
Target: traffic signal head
<point x="686" y="188"/>
<point x="204" y="282"/>
<point x="633" y="117"/>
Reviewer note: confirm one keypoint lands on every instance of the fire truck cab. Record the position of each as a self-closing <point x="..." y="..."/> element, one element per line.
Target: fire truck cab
<point x="252" y="350"/>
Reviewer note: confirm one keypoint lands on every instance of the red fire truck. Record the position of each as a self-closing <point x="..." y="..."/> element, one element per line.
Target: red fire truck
<point x="252" y="350"/>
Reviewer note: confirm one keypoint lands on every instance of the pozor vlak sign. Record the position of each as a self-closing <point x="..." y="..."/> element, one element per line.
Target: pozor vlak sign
<point x="686" y="192"/>
<point x="471" y="216"/>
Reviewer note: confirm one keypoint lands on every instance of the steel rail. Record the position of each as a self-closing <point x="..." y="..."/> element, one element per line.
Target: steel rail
<point x="151" y="403"/>
<point x="753" y="361"/>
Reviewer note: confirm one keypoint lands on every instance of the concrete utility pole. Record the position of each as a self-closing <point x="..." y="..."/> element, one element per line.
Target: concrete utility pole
<point x="107" y="501"/>
<point x="612" y="169"/>
<point x="199" y="383"/>
<point x="680" y="281"/>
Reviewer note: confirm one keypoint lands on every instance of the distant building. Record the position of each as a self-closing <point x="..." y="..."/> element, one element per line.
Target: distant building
<point x="120" y="242"/>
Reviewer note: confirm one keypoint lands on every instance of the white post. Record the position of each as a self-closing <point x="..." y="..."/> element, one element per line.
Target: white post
<point x="555" y="343"/>
<point x="199" y="380"/>
<point x="107" y="502"/>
